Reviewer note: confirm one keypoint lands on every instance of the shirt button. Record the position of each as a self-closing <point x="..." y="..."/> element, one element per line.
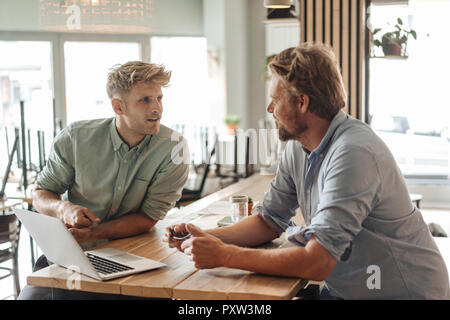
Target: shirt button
<point x="124" y="161"/>
<point x="308" y="190"/>
<point x="321" y="155"/>
<point x="118" y="188"/>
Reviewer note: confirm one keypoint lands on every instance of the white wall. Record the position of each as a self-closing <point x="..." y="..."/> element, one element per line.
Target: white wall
<point x="236" y="57"/>
<point x="214" y="31"/>
<point x="235" y="29"/>
<point x="169" y="17"/>
<point x="178" y="17"/>
<point x="19" y="15"/>
<point x="256" y="100"/>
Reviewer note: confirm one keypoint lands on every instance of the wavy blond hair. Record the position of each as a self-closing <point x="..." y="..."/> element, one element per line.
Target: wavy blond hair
<point x="312" y="69"/>
<point x="122" y="77"/>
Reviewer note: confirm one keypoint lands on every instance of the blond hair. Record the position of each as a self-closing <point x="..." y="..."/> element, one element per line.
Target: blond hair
<point x="122" y="77"/>
<point x="312" y="69"/>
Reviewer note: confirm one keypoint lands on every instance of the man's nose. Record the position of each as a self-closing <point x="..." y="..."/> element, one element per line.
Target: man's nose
<point x="157" y="108"/>
<point x="270" y="108"/>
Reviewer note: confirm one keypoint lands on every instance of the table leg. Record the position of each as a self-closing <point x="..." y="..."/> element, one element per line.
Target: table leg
<point x="33" y="258"/>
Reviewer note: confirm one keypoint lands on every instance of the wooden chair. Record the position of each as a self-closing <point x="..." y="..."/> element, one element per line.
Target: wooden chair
<point x="10" y="233"/>
<point x="190" y="195"/>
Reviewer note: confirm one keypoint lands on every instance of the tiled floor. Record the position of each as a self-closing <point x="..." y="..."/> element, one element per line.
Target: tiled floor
<point x="441" y="217"/>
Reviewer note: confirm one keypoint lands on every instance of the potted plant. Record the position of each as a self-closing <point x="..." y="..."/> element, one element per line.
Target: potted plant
<point x="394" y="42"/>
<point x="232" y="122"/>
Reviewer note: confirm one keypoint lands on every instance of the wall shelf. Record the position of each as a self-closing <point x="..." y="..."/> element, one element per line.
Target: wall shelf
<point x="391" y="57"/>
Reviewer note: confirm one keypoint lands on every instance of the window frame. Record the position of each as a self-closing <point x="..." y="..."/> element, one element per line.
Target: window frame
<point x="411" y="179"/>
<point x="57" y="41"/>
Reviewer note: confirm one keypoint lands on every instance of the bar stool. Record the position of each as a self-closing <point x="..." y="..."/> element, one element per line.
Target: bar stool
<point x="9" y="233"/>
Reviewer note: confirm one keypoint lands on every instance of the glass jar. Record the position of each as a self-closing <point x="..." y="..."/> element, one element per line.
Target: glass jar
<point x="239" y="208"/>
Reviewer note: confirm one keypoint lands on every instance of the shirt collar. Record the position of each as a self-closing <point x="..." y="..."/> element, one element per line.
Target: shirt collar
<point x="143" y="143"/>
<point x="338" y="119"/>
<point x="117" y="140"/>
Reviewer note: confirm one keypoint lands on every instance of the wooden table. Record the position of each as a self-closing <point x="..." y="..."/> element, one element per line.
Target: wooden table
<point x="180" y="279"/>
<point x="13" y="192"/>
<point x="8" y="204"/>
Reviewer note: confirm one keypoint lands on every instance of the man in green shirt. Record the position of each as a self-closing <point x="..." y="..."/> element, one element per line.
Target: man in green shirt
<point x="117" y="176"/>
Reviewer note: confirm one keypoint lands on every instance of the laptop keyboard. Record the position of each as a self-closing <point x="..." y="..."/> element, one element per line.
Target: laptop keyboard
<point x="105" y="266"/>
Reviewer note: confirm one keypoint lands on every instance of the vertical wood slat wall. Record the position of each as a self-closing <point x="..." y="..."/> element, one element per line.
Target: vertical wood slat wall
<point x="342" y="25"/>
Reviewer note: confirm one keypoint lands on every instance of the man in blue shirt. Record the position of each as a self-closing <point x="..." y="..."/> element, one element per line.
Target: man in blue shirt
<point x="362" y="236"/>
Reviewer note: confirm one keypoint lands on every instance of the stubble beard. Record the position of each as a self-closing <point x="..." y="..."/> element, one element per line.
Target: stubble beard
<point x="285" y="135"/>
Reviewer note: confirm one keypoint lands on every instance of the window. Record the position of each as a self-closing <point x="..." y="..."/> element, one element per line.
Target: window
<point x="25" y="77"/>
<point x="409" y="102"/>
<point x="186" y="99"/>
<point x="87" y="65"/>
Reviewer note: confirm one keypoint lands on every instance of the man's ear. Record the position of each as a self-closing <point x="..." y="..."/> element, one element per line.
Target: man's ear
<point x="118" y="106"/>
<point x="303" y="103"/>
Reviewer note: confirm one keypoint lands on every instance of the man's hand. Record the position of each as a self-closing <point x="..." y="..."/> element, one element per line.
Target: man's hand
<point x="205" y="250"/>
<point x="82" y="235"/>
<point x="175" y="231"/>
<point x="75" y="216"/>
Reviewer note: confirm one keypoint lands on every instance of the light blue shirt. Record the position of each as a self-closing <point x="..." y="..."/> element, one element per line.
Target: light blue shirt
<point x="355" y="201"/>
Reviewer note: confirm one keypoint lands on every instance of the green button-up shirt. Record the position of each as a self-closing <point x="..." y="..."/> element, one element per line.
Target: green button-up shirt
<point x="91" y="166"/>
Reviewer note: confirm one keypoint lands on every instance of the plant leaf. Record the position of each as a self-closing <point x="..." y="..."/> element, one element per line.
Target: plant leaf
<point x="414" y="34"/>
<point x="375" y="31"/>
<point x="400" y="22"/>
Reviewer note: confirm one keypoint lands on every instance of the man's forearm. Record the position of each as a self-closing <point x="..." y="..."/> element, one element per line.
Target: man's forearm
<point x="126" y="226"/>
<point x="250" y="232"/>
<point x="302" y="262"/>
<point x="48" y="203"/>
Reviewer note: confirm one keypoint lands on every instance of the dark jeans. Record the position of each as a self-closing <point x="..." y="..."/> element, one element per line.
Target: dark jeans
<point x="313" y="292"/>
<point x="326" y="295"/>
<point x="44" y="293"/>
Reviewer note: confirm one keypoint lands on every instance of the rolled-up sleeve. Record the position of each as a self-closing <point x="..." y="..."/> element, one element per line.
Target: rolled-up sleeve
<point x="58" y="173"/>
<point x="350" y="187"/>
<point x="165" y="190"/>
<point x="280" y="202"/>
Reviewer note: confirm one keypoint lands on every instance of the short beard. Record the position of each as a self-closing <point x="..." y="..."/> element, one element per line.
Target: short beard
<point x="285" y="135"/>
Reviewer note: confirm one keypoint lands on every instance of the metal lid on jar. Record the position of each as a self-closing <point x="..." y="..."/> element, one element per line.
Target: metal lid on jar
<point x="239" y="199"/>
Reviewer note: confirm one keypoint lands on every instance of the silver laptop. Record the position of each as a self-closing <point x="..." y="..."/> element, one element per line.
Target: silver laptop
<point x="60" y="247"/>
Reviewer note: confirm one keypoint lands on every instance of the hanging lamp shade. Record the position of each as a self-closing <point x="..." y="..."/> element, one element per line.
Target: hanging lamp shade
<point x="277" y="4"/>
<point x="100" y="16"/>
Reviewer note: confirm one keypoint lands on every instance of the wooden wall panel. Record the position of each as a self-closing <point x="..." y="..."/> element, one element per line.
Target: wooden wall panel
<point x="311" y="17"/>
<point x="341" y="24"/>
<point x="319" y="21"/>
<point x="353" y="58"/>
<point x="345" y="45"/>
<point x="327" y="24"/>
<point x="336" y="35"/>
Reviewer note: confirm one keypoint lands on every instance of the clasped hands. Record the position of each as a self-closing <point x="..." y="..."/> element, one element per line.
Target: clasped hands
<point x="204" y="249"/>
